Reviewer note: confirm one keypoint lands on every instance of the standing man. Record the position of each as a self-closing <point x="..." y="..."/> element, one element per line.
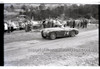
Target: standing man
<point x="30" y="26"/>
<point x="9" y="26"/>
<point x="26" y="26"/>
<point x="12" y="29"/>
<point x="43" y="23"/>
<point x="86" y="22"/>
<point x="73" y="23"/>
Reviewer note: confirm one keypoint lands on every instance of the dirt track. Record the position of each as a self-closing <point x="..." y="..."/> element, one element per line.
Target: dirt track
<point x="79" y="50"/>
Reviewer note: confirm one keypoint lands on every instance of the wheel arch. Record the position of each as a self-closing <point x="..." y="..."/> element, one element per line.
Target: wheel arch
<point x="76" y="32"/>
<point x="53" y="32"/>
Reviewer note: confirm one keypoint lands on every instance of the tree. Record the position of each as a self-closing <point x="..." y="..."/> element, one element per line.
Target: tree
<point x="24" y="8"/>
<point x="42" y="7"/>
<point x="73" y="11"/>
<point x="12" y="8"/>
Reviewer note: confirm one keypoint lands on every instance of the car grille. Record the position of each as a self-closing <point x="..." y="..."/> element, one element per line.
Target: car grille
<point x="44" y="33"/>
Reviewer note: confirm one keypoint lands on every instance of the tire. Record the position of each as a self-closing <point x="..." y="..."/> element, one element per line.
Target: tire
<point x="52" y="36"/>
<point x="42" y="35"/>
<point x="72" y="33"/>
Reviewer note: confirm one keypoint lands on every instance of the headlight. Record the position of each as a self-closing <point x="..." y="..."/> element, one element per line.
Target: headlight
<point x="47" y="31"/>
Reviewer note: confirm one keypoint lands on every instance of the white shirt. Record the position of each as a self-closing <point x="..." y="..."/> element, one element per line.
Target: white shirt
<point x="5" y="26"/>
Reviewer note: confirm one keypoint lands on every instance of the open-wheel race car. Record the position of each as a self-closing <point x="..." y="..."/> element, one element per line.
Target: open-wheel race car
<point x="53" y="33"/>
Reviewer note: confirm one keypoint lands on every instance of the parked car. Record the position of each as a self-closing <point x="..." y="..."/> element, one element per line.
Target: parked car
<point x="15" y="25"/>
<point x="36" y="24"/>
<point x="21" y="25"/>
<point x="53" y="33"/>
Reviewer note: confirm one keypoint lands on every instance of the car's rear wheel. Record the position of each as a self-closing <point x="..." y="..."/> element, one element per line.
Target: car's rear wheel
<point x="72" y="33"/>
<point x="52" y="36"/>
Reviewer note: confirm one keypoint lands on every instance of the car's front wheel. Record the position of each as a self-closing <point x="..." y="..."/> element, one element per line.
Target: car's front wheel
<point x="72" y="33"/>
<point x="52" y="36"/>
<point x="43" y="35"/>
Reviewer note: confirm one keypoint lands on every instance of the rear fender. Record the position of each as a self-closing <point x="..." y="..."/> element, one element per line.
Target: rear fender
<point x="76" y="32"/>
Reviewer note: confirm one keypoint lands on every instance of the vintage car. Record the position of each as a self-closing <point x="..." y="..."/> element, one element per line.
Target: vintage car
<point x="53" y="33"/>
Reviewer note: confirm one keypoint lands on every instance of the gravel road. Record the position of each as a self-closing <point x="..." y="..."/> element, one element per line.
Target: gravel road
<point x="81" y="50"/>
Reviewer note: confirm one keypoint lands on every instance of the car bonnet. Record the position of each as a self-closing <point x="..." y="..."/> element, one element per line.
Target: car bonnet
<point x="53" y="29"/>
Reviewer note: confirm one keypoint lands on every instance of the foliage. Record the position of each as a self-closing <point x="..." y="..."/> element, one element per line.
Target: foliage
<point x="73" y="11"/>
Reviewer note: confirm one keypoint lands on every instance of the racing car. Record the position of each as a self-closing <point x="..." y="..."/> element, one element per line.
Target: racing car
<point x="53" y="33"/>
